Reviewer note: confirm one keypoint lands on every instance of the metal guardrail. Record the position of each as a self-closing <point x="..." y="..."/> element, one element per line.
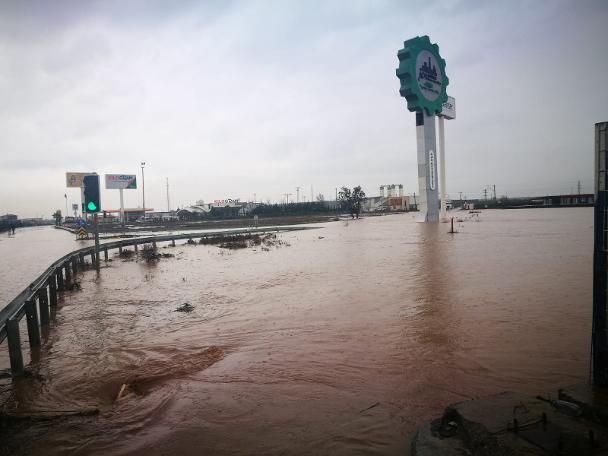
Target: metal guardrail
<point x="60" y="273"/>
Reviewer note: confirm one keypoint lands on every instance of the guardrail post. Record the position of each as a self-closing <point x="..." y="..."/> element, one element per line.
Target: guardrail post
<point x="81" y="258"/>
<point x="154" y="245"/>
<point x="60" y="284"/>
<point x="74" y="266"/>
<point x="173" y="242"/>
<point x="33" y="332"/>
<point x="136" y="247"/>
<point x="120" y="250"/>
<point x="92" y="257"/>
<point x="53" y="289"/>
<point x="105" y="254"/>
<point x="43" y="306"/>
<point x="14" y="347"/>
<point x="68" y="272"/>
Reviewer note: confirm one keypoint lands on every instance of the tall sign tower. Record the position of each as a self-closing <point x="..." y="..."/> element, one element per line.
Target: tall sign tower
<point x="423" y="84"/>
<point x="599" y="335"/>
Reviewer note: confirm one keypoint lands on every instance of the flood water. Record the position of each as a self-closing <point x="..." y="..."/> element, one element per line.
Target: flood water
<point x="26" y="254"/>
<point x="341" y="340"/>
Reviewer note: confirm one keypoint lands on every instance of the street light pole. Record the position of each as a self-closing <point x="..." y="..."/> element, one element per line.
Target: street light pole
<point x="143" y="189"/>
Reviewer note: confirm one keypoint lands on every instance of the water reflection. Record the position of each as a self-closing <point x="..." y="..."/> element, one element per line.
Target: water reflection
<point x="433" y="282"/>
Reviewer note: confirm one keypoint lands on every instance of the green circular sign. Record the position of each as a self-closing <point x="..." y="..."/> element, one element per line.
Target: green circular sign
<point x="422" y="75"/>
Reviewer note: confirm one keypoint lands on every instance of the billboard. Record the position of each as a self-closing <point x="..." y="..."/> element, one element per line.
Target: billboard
<point x="121" y="181"/>
<point x="74" y="179"/>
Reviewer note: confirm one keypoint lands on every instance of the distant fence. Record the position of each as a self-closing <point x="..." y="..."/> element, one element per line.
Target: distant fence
<point x="57" y="278"/>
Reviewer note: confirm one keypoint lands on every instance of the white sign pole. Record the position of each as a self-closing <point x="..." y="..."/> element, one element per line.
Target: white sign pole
<point x="448" y="112"/>
<point x="443" y="215"/>
<point x="122" y="208"/>
<point x="428" y="201"/>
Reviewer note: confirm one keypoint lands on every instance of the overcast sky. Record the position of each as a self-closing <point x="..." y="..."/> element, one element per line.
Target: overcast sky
<point x="231" y="99"/>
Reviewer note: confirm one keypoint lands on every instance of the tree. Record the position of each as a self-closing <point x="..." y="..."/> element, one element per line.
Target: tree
<point x="320" y="197"/>
<point x="351" y="200"/>
<point x="57" y="216"/>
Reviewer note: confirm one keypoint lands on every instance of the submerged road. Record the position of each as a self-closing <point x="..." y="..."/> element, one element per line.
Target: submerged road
<point x="25" y="255"/>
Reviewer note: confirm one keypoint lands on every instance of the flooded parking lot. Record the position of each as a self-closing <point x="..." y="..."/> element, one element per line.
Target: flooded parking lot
<point x="338" y="340"/>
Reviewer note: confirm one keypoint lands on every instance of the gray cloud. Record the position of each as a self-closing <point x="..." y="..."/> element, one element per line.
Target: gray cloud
<point x="229" y="99"/>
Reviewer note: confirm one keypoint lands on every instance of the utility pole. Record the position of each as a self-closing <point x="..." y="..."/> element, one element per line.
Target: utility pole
<point x="460" y="193"/>
<point x="336" y="193"/>
<point x="312" y="196"/>
<point x="287" y="195"/>
<point x="485" y="193"/>
<point x="494" y="191"/>
<point x="298" y="194"/>
<point x="168" y="205"/>
<point x="579" y="187"/>
<point x="415" y="204"/>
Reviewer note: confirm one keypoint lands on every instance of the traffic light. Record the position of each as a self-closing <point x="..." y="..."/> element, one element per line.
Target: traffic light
<point x="92" y="200"/>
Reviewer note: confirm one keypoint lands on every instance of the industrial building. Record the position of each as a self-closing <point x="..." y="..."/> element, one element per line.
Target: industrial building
<point x="586" y="199"/>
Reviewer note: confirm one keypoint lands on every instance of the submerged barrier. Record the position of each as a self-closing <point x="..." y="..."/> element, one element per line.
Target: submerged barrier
<point x="44" y="291"/>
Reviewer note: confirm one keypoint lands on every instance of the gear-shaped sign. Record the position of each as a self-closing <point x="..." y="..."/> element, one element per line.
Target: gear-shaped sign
<point x="422" y="75"/>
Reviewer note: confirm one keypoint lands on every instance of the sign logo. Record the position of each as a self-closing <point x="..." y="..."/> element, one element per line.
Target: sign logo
<point x="432" y="177"/>
<point x="428" y="75"/>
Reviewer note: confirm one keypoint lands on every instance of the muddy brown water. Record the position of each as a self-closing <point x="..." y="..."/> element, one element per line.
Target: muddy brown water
<point x="340" y="341"/>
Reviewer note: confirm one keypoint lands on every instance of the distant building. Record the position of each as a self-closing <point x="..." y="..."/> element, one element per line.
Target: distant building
<point x="8" y="218"/>
<point x="7" y="221"/>
<point x="399" y="203"/>
<point x="131" y="214"/>
<point x="332" y="205"/>
<point x="375" y="204"/>
<point x="386" y="204"/>
<point x="34" y="221"/>
<point x="161" y="216"/>
<point x="586" y="199"/>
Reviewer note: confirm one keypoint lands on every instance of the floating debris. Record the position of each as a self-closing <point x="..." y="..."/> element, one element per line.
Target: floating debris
<point x="123" y="392"/>
<point x="370" y="407"/>
<point x="185" y="307"/>
<point x="126" y="253"/>
<point x="149" y="253"/>
<point x="74" y="286"/>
